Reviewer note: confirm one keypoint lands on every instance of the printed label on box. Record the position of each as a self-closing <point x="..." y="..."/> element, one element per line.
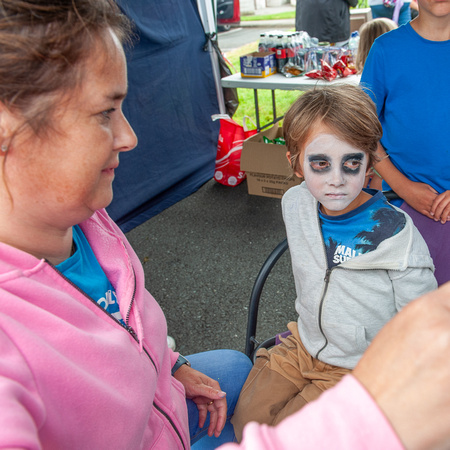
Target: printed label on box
<point x="258" y="64"/>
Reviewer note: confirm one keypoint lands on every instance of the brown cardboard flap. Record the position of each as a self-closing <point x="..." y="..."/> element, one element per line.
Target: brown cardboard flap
<point x="265" y="158"/>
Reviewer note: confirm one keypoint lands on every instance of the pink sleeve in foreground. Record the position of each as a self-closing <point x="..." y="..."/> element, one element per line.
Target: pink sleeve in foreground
<point x="345" y="417"/>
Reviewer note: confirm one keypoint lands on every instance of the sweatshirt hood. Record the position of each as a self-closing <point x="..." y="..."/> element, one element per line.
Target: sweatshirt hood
<point x="404" y="249"/>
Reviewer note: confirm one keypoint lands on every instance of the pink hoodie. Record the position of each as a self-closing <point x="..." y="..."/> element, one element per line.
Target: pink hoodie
<point x="344" y="417"/>
<point x="71" y="377"/>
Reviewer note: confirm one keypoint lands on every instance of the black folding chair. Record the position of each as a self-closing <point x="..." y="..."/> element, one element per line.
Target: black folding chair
<point x="251" y="344"/>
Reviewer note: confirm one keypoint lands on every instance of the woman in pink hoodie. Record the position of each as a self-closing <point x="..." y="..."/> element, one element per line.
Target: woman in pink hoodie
<point x="84" y="361"/>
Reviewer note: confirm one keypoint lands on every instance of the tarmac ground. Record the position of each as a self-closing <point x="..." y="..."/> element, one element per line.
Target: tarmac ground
<point x="270" y="24"/>
<point x="201" y="257"/>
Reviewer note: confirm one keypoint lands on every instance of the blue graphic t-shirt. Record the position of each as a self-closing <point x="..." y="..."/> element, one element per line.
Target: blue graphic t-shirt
<point x="83" y="269"/>
<point x="361" y="230"/>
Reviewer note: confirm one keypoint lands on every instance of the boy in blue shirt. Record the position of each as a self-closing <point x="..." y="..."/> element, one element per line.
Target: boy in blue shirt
<point x="406" y="74"/>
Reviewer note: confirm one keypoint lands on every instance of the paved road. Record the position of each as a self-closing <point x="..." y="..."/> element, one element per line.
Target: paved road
<point x="201" y="257"/>
<point x="237" y="37"/>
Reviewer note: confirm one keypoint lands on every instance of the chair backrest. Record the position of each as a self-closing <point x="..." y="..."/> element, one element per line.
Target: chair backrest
<point x="391" y="195"/>
<point x="251" y="344"/>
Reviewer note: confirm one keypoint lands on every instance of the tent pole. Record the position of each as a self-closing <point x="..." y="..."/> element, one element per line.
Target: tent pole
<point x="207" y="16"/>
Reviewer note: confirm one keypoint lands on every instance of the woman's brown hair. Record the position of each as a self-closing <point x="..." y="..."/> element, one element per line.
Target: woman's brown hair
<point x="43" y="44"/>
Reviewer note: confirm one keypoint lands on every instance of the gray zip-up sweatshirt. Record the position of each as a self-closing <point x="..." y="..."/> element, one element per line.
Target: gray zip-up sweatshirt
<point x="342" y="309"/>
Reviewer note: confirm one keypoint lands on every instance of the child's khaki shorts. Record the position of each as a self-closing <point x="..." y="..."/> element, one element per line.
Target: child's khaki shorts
<point x="283" y="380"/>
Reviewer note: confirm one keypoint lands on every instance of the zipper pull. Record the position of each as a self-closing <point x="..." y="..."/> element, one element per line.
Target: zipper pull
<point x="133" y="333"/>
<point x="327" y="275"/>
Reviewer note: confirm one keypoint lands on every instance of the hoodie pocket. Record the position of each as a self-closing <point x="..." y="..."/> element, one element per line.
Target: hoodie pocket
<point x="344" y="340"/>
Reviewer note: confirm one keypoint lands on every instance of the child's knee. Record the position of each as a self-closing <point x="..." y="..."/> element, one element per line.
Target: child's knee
<point x="264" y="394"/>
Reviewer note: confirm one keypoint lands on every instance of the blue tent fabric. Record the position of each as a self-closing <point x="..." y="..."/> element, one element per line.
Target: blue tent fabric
<point x="171" y="97"/>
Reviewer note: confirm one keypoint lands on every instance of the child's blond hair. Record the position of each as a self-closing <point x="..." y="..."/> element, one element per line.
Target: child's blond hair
<point x="368" y="32"/>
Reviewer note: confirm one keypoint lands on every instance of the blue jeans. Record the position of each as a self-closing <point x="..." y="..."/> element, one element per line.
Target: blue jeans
<point x="383" y="11"/>
<point x="230" y="368"/>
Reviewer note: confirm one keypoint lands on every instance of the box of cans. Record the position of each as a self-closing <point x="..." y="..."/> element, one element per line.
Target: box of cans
<point x="258" y="64"/>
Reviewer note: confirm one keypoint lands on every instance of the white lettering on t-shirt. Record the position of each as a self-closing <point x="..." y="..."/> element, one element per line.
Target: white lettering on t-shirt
<point x="343" y="253"/>
<point x="107" y="300"/>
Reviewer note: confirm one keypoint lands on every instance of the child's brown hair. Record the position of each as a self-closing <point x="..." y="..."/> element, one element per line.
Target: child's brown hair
<point x="345" y="108"/>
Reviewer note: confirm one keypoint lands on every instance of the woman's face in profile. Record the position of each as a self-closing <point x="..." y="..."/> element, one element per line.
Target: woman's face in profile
<point x="66" y="176"/>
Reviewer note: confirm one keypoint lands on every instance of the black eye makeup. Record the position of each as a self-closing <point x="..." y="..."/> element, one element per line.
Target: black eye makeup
<point x="319" y="163"/>
<point x="351" y="163"/>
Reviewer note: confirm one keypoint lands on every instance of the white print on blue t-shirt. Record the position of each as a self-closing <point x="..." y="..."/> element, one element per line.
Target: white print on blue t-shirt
<point x="361" y="230"/>
<point x="83" y="269"/>
<point x="109" y="302"/>
<point x="344" y="253"/>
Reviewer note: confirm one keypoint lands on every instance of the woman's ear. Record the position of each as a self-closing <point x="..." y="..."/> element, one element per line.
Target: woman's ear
<point x="297" y="170"/>
<point x="9" y="124"/>
<point x="4" y="138"/>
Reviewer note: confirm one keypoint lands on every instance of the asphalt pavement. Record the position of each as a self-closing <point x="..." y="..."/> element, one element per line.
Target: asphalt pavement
<point x="201" y="257"/>
<point x="249" y="31"/>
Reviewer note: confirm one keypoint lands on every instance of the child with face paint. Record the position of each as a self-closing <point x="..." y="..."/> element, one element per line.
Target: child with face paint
<point x="357" y="260"/>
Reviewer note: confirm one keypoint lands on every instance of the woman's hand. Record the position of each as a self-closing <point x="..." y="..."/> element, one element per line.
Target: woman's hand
<point x="206" y="394"/>
<point x="440" y="209"/>
<point x="406" y="369"/>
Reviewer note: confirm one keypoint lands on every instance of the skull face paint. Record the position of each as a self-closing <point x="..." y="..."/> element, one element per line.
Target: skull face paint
<point x="334" y="172"/>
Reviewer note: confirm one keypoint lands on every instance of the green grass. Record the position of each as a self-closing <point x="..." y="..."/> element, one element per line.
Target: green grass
<point x="284" y="99"/>
<point x="283" y="15"/>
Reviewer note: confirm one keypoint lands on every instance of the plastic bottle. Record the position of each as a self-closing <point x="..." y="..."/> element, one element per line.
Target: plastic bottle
<point x="291" y="49"/>
<point x="271" y="43"/>
<point x="262" y="46"/>
<point x="281" y="54"/>
<point x="353" y="44"/>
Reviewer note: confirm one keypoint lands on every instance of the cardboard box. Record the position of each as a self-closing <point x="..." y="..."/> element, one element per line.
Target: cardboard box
<point x="266" y="166"/>
<point x="258" y="64"/>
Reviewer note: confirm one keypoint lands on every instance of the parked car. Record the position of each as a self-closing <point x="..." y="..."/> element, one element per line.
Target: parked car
<point x="228" y="14"/>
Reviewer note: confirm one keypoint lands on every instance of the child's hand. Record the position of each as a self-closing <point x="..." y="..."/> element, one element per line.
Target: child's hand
<point x="421" y="197"/>
<point x="440" y="209"/>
